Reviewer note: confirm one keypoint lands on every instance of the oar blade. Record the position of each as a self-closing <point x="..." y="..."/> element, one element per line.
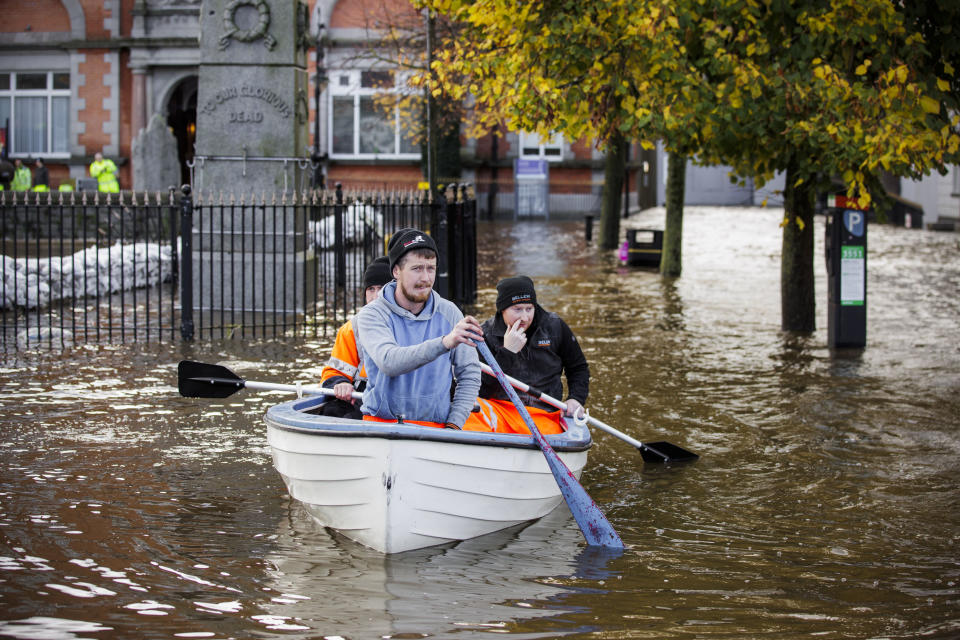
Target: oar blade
<point x="659" y="452"/>
<point x="203" y="380"/>
<point x="596" y="529"/>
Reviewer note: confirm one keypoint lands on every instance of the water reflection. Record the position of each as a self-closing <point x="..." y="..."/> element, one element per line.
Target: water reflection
<point x="329" y="584"/>
<point x="825" y="502"/>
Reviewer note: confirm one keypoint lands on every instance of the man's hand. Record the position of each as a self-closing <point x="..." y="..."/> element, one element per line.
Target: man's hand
<point x="467" y="331"/>
<point x="574" y="408"/>
<point x="343" y="391"/>
<point x="514" y="338"/>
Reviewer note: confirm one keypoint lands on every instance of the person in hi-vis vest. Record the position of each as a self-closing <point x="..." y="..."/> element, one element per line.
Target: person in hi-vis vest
<point x="105" y="171"/>
<point x="344" y="372"/>
<point x="21" y="176"/>
<point x="42" y="181"/>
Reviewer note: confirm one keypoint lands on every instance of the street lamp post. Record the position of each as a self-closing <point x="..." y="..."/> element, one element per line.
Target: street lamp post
<point x="431" y="109"/>
<point x="318" y="159"/>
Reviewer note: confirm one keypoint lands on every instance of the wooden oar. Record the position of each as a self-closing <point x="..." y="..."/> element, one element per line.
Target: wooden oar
<point x="596" y="529"/>
<point x="650" y="451"/>
<point x="202" y="380"/>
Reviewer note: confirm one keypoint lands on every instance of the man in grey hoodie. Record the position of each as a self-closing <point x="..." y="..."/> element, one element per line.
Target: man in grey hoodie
<point x="415" y="343"/>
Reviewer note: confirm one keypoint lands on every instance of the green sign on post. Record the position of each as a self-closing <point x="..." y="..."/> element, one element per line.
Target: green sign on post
<point x="852" y="276"/>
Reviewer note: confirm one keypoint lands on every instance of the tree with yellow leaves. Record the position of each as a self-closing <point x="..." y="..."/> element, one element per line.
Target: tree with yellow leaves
<point x="583" y="69"/>
<point x="809" y="88"/>
<point x="818" y="91"/>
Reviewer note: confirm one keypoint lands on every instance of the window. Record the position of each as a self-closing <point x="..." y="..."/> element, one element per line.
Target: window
<point x="37" y="106"/>
<point x="533" y="146"/>
<point x="362" y="125"/>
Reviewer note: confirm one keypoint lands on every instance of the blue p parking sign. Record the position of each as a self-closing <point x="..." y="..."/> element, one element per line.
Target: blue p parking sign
<point x="855" y="222"/>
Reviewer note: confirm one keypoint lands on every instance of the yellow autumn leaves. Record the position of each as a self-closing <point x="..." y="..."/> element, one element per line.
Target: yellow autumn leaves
<point x="738" y="82"/>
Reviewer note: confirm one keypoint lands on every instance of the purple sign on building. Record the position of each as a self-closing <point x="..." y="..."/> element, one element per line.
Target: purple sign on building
<point x="531" y="167"/>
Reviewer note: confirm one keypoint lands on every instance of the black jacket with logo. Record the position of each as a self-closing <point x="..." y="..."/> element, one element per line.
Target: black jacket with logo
<point x="551" y="351"/>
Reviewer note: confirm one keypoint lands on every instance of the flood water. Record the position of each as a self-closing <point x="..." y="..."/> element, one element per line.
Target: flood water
<point x="825" y="504"/>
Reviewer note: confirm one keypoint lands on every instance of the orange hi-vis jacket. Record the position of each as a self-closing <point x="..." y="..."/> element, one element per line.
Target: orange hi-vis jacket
<point x="344" y="363"/>
<point x="498" y="416"/>
<point x="501" y="416"/>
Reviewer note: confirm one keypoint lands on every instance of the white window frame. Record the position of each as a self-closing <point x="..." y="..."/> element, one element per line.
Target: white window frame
<point x="49" y="93"/>
<point x="550" y="150"/>
<point x="956" y="180"/>
<point x="352" y="88"/>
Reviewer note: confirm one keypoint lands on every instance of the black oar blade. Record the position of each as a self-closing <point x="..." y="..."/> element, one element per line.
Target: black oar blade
<point x="658" y="452"/>
<point x="202" y="380"/>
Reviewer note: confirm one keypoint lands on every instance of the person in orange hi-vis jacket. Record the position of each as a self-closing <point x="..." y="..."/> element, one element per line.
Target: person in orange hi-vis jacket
<point x="344" y="372"/>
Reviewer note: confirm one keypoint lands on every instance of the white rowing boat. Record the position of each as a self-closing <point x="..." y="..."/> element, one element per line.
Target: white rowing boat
<point x="397" y="487"/>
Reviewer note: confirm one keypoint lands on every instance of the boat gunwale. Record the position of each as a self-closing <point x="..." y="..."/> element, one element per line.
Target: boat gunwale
<point x="290" y="416"/>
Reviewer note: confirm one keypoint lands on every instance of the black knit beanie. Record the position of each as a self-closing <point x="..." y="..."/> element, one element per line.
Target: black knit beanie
<point x="406" y="240"/>
<point x="515" y="290"/>
<point x="377" y="273"/>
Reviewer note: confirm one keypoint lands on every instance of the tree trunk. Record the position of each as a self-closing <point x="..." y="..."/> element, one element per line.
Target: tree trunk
<point x="614" y="165"/>
<point x="449" y="168"/>
<point x="671" y="259"/>
<point x="797" y="299"/>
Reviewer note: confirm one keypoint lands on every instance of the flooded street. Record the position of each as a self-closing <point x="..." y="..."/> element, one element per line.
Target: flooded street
<point x="826" y="502"/>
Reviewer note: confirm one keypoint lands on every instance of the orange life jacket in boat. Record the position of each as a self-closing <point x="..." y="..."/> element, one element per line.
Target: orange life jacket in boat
<point x="502" y="417"/>
<point x="498" y="416"/>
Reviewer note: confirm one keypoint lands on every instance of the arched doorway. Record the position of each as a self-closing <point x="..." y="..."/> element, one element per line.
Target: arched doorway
<point x="182" y="119"/>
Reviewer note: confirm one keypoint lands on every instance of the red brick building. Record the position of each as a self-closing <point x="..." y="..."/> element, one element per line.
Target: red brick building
<point x="82" y="76"/>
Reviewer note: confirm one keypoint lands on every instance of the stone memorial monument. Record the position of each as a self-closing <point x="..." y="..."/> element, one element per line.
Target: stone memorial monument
<point x="252" y="142"/>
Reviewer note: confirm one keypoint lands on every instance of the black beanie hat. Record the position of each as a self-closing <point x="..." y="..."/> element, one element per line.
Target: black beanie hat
<point x="406" y="240"/>
<point x="515" y="290"/>
<point x="377" y="273"/>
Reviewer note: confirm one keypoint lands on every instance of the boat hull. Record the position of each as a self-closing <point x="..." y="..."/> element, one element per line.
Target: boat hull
<point x="400" y="487"/>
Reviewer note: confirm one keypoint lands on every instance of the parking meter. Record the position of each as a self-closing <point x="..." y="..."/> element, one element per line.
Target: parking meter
<point x="846" y="257"/>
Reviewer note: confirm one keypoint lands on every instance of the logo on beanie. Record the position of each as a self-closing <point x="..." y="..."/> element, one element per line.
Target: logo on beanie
<point x="520" y="298"/>
<point x="419" y="238"/>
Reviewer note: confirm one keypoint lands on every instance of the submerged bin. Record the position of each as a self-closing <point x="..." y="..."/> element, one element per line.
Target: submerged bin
<point x="644" y="247"/>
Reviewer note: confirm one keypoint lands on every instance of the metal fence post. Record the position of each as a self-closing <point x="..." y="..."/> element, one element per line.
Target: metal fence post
<point x="339" y="253"/>
<point x="469" y="248"/>
<point x="455" y="241"/>
<point x="186" y="266"/>
<point x="341" y="266"/>
<point x="439" y="228"/>
<point x="172" y="222"/>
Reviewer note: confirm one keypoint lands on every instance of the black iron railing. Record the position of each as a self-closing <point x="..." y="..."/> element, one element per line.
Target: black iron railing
<point x="88" y="267"/>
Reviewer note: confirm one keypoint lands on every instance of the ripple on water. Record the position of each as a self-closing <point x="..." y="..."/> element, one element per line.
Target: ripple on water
<point x="824" y="501"/>
<point x="50" y="628"/>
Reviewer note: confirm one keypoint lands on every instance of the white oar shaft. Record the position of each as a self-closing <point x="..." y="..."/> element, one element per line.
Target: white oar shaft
<point x="561" y="405"/>
<point x="294" y="388"/>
